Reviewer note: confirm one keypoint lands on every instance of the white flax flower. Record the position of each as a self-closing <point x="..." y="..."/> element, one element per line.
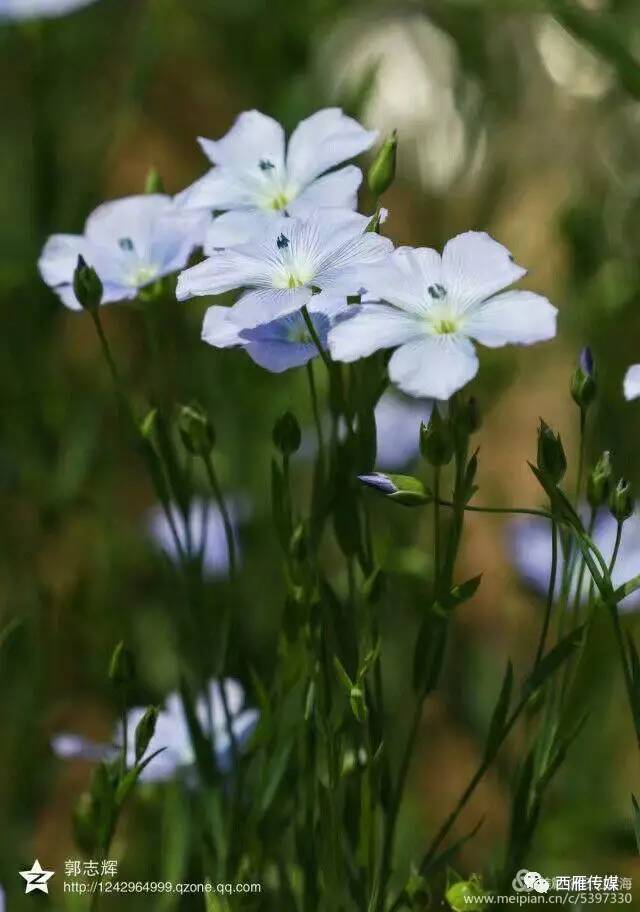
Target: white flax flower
<point x="258" y="177"/>
<point x="430" y="307"/>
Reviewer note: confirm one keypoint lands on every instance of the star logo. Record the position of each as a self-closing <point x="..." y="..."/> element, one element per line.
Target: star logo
<point x="36" y="878"/>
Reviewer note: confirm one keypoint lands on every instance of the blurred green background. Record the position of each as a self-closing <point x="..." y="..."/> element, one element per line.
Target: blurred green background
<point x="519" y="118"/>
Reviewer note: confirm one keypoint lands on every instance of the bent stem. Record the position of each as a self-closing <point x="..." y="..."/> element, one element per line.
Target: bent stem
<point x="550" y="594"/>
<point x="314" y="336"/>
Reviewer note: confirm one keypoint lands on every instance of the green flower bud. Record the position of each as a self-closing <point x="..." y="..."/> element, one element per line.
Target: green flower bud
<point x="551" y="456"/>
<point x="599" y="481"/>
<point x="153" y="182"/>
<point x="436" y="444"/>
<point x="87" y="286"/>
<point x="145" y="730"/>
<point x="621" y="501"/>
<point x="403" y="489"/>
<point x="583" y="381"/>
<point x="383" y="170"/>
<point x="286" y="434"/>
<point x="196" y="430"/>
<point x="358" y="703"/>
<point x="121" y="667"/>
<point x="148" y="424"/>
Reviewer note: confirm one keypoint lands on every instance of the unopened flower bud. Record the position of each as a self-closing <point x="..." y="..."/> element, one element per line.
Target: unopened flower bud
<point x="148" y="424"/>
<point x="358" y="703"/>
<point x="621" y="501"/>
<point x="436" y="444"/>
<point x="145" y="730"/>
<point x="383" y="170"/>
<point x="286" y="434"/>
<point x="121" y="666"/>
<point x="583" y="381"/>
<point x="599" y="481"/>
<point x="153" y="182"/>
<point x="196" y="430"/>
<point x="551" y="456"/>
<point x="87" y="286"/>
<point x="403" y="489"/>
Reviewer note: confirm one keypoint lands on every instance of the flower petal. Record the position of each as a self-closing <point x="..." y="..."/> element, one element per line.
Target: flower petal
<point x="338" y="189"/>
<point x="398" y="420"/>
<point x="224" y="270"/>
<point x="232" y="229"/>
<point x="476" y="267"/>
<point x="366" y="328"/>
<point x="254" y="137"/>
<point x="216" y="328"/>
<point x="632" y="382"/>
<point x="434" y="366"/>
<point x="219" y="188"/>
<point x="404" y="279"/>
<point x="59" y="258"/>
<point x="342" y="269"/>
<point x="265" y="304"/>
<point x="277" y="355"/>
<point x="132" y="217"/>
<point x="324" y="140"/>
<point x="517" y="317"/>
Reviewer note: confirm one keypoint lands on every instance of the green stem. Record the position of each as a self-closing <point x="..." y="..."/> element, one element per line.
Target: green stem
<point x="526" y="511"/>
<point x="550" y="594"/>
<point x="224" y="512"/>
<point x="314" y="336"/>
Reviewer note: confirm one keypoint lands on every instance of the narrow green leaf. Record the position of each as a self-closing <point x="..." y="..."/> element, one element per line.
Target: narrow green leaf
<point x="636" y="820"/>
<point x="550" y="663"/>
<point x="499" y="717"/>
<point x="343" y="677"/>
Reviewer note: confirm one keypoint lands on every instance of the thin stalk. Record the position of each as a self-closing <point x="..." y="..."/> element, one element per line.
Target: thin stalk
<point x="616" y="547"/>
<point x="316" y="411"/>
<point x="377" y="899"/>
<point x="224" y="512"/>
<point x="583" y="423"/>
<point x="436" y="521"/>
<point x="550" y="594"/>
<point x="526" y="511"/>
<point x="315" y="338"/>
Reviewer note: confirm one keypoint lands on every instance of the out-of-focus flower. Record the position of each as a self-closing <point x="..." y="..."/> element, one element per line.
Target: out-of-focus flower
<point x="632" y="382"/>
<point x="279" y="344"/>
<point x="429" y="307"/>
<point x="398" y="420"/>
<point x="292" y="260"/>
<point x="530" y="545"/>
<point x="172" y="734"/>
<point x="38" y="9"/>
<point x="256" y="179"/>
<point x="130" y="242"/>
<point x="203" y="536"/>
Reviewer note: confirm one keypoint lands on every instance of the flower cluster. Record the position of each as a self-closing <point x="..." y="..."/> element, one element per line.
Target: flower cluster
<point x="277" y="223"/>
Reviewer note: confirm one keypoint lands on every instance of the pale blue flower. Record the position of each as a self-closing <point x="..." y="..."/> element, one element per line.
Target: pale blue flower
<point x="38" y="9"/>
<point x="205" y="536"/>
<point x="632" y="382"/>
<point x="292" y="260"/>
<point x="172" y="734"/>
<point x="279" y="344"/>
<point x="130" y="242"/>
<point x="258" y="177"/>
<point x="429" y="308"/>
<point x="398" y="420"/>
<point x="530" y="547"/>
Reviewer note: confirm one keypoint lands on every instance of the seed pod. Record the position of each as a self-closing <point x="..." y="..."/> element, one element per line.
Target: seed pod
<point x="621" y="502"/>
<point x="551" y="456"/>
<point x="196" y="431"/>
<point x="599" y="481"/>
<point x="286" y="434"/>
<point x="436" y="444"/>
